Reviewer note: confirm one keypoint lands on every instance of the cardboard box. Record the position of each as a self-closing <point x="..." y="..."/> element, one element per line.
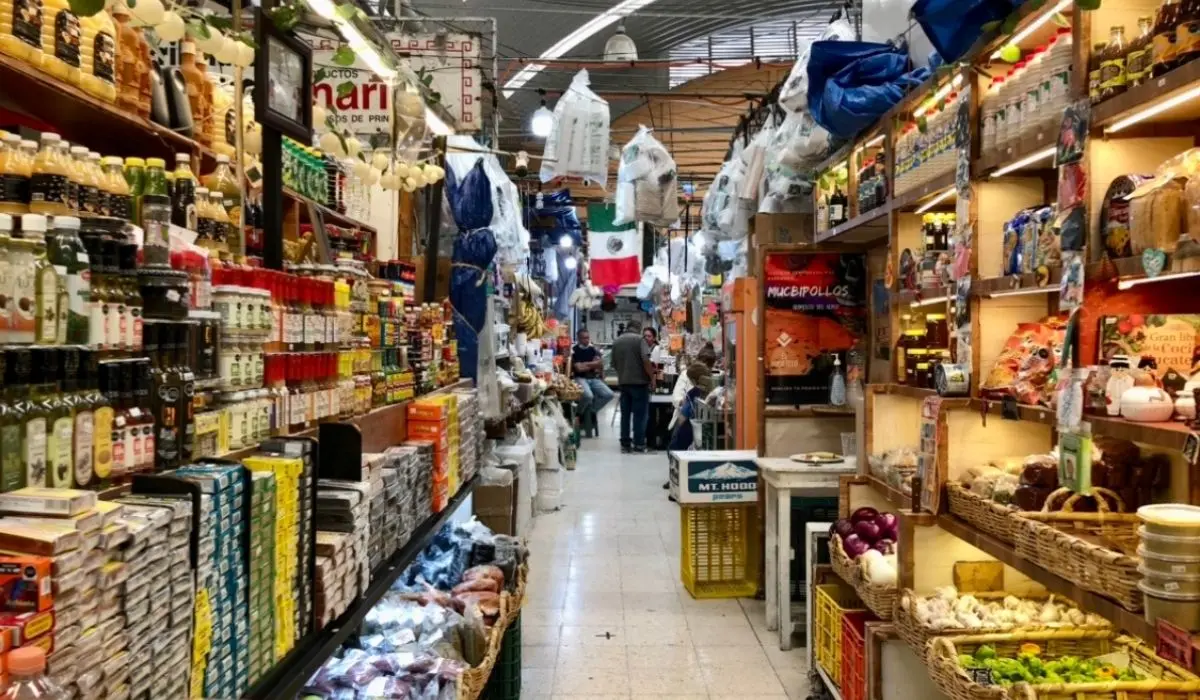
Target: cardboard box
<point x="718" y="476"/>
<point x="496" y="507"/>
<point x="771" y="229"/>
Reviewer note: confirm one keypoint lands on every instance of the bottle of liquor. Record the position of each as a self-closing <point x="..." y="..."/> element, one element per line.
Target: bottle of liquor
<point x="838" y="208"/>
<point x="60" y="436"/>
<point x="102" y="426"/>
<point x="1166" y="22"/>
<point x="131" y="295"/>
<point x="17" y="364"/>
<point x="166" y="385"/>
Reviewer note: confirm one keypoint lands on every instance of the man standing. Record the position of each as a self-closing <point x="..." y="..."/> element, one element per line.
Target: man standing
<point x="587" y="366"/>
<point x="635" y="375"/>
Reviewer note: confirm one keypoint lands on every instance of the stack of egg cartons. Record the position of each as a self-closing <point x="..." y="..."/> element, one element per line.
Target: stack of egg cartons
<point x="222" y="581"/>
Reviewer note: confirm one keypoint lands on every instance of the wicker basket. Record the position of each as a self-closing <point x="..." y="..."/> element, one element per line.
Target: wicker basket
<point x="475" y="679"/>
<point x="1166" y="681"/>
<point x="993" y="518"/>
<point x="1053" y="541"/>
<point x="879" y="599"/>
<point x="918" y="635"/>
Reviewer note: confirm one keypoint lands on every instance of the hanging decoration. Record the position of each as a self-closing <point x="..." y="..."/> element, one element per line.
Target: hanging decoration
<point x="615" y="251"/>
<point x="578" y="144"/>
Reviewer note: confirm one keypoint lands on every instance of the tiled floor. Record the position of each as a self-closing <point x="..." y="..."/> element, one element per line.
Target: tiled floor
<point x="606" y="615"/>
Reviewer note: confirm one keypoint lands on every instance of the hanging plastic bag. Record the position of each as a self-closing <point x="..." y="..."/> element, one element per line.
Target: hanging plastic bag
<point x="793" y="96"/>
<point x="953" y="25"/>
<point x="647" y="189"/>
<point x="474" y="249"/>
<point x="578" y="144"/>
<point x="853" y="83"/>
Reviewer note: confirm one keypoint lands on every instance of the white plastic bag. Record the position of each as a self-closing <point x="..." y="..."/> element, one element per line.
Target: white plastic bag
<point x="793" y="96"/>
<point x="578" y="144"/>
<point x="647" y="189"/>
<point x="718" y="213"/>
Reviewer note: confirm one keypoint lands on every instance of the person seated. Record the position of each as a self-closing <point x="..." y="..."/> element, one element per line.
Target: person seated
<point x="587" y="368"/>
<point x="683" y="435"/>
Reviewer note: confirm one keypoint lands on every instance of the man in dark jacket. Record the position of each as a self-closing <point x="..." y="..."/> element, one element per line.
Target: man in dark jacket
<point x="635" y="379"/>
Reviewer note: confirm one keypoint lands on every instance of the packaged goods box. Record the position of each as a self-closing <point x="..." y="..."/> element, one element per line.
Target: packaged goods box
<point x="714" y="476"/>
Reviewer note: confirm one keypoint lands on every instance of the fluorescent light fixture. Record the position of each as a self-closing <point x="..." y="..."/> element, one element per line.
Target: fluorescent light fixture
<point x="931" y="301"/>
<point x="583" y="33"/>
<point x="1023" y="292"/>
<point x="435" y="124"/>
<point x="936" y="200"/>
<point x="937" y="96"/>
<point x="1131" y="283"/>
<point x="1033" y="26"/>
<point x="874" y="142"/>
<point x="1027" y="160"/>
<point x="1154" y="110"/>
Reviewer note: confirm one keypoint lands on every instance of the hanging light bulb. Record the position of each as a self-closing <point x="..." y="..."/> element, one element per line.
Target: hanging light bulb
<point x="522" y="163"/>
<point x="566" y="241"/>
<point x="620" y="47"/>
<point x="543" y="119"/>
<point x="570" y="263"/>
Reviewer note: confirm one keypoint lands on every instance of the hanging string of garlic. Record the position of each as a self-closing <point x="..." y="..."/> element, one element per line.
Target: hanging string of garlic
<point x="170" y="26"/>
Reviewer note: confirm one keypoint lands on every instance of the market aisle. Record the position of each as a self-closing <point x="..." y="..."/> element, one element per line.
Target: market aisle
<point x="606" y="615"/>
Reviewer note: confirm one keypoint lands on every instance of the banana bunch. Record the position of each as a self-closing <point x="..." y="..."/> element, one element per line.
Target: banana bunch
<point x="530" y="322"/>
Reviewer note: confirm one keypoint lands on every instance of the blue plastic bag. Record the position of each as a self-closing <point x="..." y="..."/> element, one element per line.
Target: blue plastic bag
<point x="474" y="249"/>
<point x="853" y="83"/>
<point x="953" y="26"/>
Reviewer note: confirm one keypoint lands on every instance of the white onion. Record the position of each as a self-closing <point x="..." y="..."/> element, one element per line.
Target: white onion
<point x="252" y="141"/>
<point x="410" y="185"/>
<point x="353" y="147"/>
<point x="212" y="45"/>
<point x="319" y="115"/>
<point x="361" y="170"/>
<point x="245" y="55"/>
<point x="379" y="160"/>
<point x="402" y="170"/>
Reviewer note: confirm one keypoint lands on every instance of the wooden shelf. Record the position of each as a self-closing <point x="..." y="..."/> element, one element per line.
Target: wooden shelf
<point x="904" y="390"/>
<point x="910" y="296"/>
<point x="1016" y="149"/>
<point x="991" y="287"/>
<point x="864" y="228"/>
<point x="819" y="411"/>
<point x="893" y="495"/>
<point x="1170" y="122"/>
<point x="331" y="216"/>
<point x="1169" y="435"/>
<point x="1131" y="622"/>
<point x="913" y="198"/>
<point x="90" y="121"/>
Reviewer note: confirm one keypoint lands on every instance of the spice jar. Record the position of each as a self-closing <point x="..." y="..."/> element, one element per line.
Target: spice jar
<point x="165" y="292"/>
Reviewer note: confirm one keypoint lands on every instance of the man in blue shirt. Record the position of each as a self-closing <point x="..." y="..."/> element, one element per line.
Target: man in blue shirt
<point x="587" y="366"/>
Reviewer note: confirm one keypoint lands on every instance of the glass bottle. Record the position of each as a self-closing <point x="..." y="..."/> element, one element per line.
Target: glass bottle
<point x="21" y="30"/>
<point x="205" y="237"/>
<point x="141" y="419"/>
<point x="99" y="52"/>
<point x="222" y="180"/>
<point x="166" y="385"/>
<point x="120" y="204"/>
<point x="110" y="416"/>
<point x="49" y="178"/>
<point x="220" y="223"/>
<point x="157" y="207"/>
<point x="98" y="202"/>
<point x="27" y="676"/>
<point x="7" y="281"/>
<point x="297" y="402"/>
<point x="36" y="425"/>
<point x="15" y="171"/>
<point x="114" y="330"/>
<point x="99" y="296"/>
<point x="66" y="252"/>
<point x="120" y="396"/>
<point x="135" y="177"/>
<point x="84" y="403"/>
<point x="45" y="282"/>
<point x="184" y="406"/>
<point x="74" y="175"/>
<point x="1166" y="22"/>
<point x="1137" y="61"/>
<point x="183" y="202"/>
<point x="1112" y="64"/>
<point x="60" y="427"/>
<point x="132" y="324"/>
<point x="17" y="364"/>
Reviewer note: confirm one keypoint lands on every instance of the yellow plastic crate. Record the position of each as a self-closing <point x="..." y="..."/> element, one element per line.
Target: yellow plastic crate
<point x="720" y="559"/>
<point x="831" y="602"/>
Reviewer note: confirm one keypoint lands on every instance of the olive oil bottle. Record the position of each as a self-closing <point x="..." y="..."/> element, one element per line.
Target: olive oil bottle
<point x="103" y="416"/>
<point x="35" y="424"/>
<point x="12" y="414"/>
<point x="85" y="417"/>
<point x="61" y="436"/>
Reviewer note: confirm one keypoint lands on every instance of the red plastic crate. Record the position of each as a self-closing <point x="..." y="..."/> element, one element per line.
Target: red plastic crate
<point x="853" y="679"/>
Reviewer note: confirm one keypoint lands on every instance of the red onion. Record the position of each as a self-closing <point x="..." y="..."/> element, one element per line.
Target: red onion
<point x="867" y="530"/>
<point x="864" y="513"/>
<point x="854" y="546"/>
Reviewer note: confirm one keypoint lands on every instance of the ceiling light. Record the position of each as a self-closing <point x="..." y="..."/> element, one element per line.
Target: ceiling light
<point x="1154" y="110"/>
<point x="543" y="121"/>
<point x="1131" y="283"/>
<point x="620" y="47"/>
<point x="935" y="201"/>
<point x="1027" y="160"/>
<point x="1033" y="26"/>
<point x="575" y="38"/>
<point x="435" y="123"/>
<point x="570" y="263"/>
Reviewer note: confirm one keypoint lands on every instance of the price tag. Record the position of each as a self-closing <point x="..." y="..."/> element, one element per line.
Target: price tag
<point x="1174" y="644"/>
<point x="982" y="676"/>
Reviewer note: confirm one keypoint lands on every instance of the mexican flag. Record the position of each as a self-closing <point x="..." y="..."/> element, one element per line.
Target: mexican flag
<point x="614" y="252"/>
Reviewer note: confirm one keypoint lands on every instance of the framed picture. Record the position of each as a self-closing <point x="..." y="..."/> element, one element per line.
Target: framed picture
<point x="282" y="81"/>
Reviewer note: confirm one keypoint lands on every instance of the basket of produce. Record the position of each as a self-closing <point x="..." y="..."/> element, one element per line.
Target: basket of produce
<point x="862" y="551"/>
<point x="948" y="613"/>
<point x="1055" y="665"/>
<point x="1086" y="540"/>
<point x="566" y="389"/>
<point x="473" y="680"/>
<point x="895" y="467"/>
<point x="982" y="497"/>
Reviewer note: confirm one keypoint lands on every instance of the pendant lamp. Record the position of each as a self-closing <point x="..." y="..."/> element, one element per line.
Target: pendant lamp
<point x="620" y="47"/>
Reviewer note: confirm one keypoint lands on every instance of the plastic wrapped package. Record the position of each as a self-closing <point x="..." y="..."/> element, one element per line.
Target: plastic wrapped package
<point x="793" y="96"/>
<point x="578" y="144"/>
<point x="474" y="249"/>
<point x="853" y="83"/>
<point x="795" y="148"/>
<point x="647" y="189"/>
<point x="719" y="213"/>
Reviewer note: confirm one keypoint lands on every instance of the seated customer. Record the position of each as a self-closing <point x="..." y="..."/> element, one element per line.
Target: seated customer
<point x="587" y="368"/>
<point x="683" y="436"/>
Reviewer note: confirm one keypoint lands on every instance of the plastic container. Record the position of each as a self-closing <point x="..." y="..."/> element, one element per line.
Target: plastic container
<point x="853" y="680"/>
<point x="832" y="601"/>
<point x="1177" y="584"/>
<point x="720" y="551"/>
<point x="27" y="676"/>
<point x="1168" y="545"/>
<point x="1178" y="609"/>
<point x="1172" y="520"/>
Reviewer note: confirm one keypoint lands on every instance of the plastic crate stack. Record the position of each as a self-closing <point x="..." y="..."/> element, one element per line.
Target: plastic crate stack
<point x="221" y="644"/>
<point x="157" y="615"/>
<point x="470" y="430"/>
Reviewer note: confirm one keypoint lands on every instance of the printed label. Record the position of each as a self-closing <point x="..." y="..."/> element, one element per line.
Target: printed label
<point x="137" y="325"/>
<point x="127" y="324"/>
<point x="97" y="324"/>
<point x="89" y="199"/>
<point x="148" y="446"/>
<point x="47" y="305"/>
<point x="14" y="188"/>
<point x="83" y="436"/>
<point x="61" y="452"/>
<point x="1112" y="73"/>
<point x="133" y="448"/>
<point x="1163" y="47"/>
<point x="113" y="318"/>
<point x="1136" y="64"/>
<point x="102" y="455"/>
<point x="119" y="446"/>
<point x="35" y="452"/>
<point x="12" y="474"/>
<point x="44" y="187"/>
<point x="293" y="329"/>
<point x="72" y="195"/>
<point x="66" y="37"/>
<point x="79" y="298"/>
<point x="104" y="57"/>
<point x="27" y="21"/>
<point x="120" y="206"/>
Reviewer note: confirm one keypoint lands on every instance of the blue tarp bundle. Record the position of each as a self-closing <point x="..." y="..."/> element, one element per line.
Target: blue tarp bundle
<point x="853" y="83"/>
<point x="953" y="25"/>
<point x="474" y="248"/>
